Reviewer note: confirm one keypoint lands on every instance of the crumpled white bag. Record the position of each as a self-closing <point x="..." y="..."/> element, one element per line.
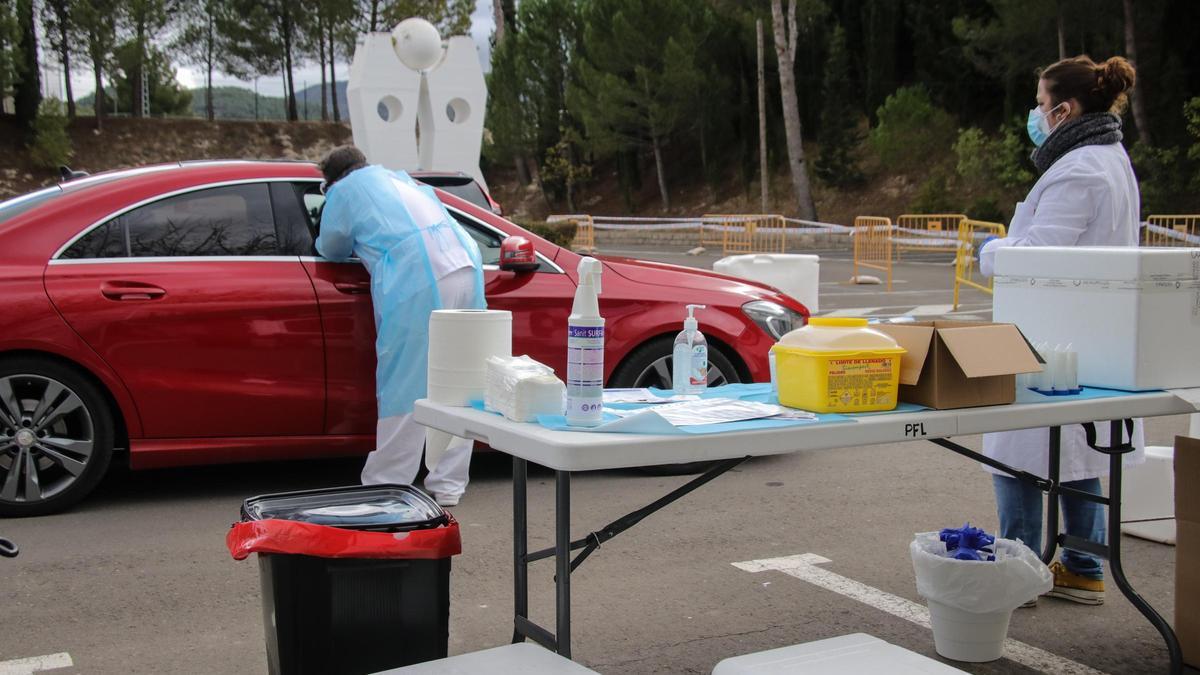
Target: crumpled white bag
<point x="1015" y="576"/>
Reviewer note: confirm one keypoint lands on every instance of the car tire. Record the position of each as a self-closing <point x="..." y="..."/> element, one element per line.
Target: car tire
<point x="648" y="365"/>
<point x="56" y="436"/>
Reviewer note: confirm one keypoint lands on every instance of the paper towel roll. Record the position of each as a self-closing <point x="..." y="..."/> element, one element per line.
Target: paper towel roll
<point x="460" y="342"/>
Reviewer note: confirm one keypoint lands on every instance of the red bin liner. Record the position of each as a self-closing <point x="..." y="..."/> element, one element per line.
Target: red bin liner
<point x="275" y="535"/>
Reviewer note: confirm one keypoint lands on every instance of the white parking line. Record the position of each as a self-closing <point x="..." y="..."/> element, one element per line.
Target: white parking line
<point x="804" y="567"/>
<point x="929" y="310"/>
<point x="35" y="664"/>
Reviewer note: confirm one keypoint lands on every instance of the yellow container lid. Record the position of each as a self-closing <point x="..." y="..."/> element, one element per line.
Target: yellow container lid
<point x="837" y="334"/>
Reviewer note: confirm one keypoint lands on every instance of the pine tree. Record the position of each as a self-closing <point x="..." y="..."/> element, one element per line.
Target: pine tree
<point x="836" y="163"/>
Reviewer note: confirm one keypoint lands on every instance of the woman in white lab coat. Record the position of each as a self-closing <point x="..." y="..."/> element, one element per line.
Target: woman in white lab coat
<point x="1087" y="195"/>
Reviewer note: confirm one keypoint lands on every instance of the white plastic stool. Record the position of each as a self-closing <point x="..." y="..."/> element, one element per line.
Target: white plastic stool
<point x="1148" y="493"/>
<point x="855" y="653"/>
<point x="518" y="659"/>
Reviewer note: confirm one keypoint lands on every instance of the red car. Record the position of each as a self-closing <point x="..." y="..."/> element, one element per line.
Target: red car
<point x="178" y="314"/>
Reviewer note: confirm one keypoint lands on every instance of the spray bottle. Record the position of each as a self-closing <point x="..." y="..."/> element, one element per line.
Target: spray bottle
<point x="689" y="367"/>
<point x="585" y="350"/>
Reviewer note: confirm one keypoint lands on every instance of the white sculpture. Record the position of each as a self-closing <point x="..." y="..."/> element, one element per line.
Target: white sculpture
<point x="416" y="103"/>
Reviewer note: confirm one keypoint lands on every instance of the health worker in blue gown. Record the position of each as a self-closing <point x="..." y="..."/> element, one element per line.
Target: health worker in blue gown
<point x="420" y="259"/>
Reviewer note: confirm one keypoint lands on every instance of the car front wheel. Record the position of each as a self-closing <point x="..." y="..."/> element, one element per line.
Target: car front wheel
<point x="56" y="437"/>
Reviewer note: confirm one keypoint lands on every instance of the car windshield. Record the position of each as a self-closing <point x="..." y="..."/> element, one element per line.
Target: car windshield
<point x="18" y="205"/>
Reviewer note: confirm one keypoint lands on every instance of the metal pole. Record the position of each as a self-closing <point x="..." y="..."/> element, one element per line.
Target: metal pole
<point x="562" y="560"/>
<point x="1050" y="536"/>
<point x="763" y="175"/>
<point x="520" y="546"/>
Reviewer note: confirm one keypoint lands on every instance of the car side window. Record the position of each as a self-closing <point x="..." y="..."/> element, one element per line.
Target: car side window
<point x="106" y="241"/>
<point x="234" y="220"/>
<point x="292" y="227"/>
<point x="488" y="241"/>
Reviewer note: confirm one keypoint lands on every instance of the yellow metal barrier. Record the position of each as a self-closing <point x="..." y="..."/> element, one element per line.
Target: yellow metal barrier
<point x="585" y="230"/>
<point x="745" y="233"/>
<point x="927" y="232"/>
<point x="970" y="234"/>
<point x="873" y="245"/>
<point x="1178" y="230"/>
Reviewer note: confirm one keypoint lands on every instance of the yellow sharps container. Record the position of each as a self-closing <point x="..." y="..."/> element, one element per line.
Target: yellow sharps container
<point x="837" y="365"/>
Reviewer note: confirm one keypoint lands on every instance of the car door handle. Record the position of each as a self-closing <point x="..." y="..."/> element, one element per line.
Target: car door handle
<point x="353" y="287"/>
<point x="131" y="290"/>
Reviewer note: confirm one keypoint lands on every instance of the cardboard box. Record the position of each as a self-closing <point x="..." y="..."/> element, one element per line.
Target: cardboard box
<point x="961" y="364"/>
<point x="1187" y="547"/>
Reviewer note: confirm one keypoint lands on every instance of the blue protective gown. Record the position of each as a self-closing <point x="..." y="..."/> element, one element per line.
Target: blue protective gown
<point x="366" y="215"/>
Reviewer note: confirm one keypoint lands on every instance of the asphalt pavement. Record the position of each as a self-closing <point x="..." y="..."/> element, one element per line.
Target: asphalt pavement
<point x="137" y="579"/>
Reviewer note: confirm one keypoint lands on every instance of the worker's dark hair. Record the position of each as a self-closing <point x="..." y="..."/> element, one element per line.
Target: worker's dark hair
<point x="1099" y="87"/>
<point x="341" y="161"/>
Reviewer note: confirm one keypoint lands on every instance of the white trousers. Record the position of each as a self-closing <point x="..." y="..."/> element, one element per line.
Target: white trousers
<point x="400" y="440"/>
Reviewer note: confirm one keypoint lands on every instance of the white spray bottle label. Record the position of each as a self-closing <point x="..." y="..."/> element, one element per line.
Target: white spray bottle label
<point x="585" y="374"/>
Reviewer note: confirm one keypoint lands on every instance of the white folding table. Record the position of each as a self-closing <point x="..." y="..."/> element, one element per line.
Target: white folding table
<point x="567" y="452"/>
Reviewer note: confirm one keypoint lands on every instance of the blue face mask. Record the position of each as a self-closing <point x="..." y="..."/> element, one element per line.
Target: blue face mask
<point x="1038" y="126"/>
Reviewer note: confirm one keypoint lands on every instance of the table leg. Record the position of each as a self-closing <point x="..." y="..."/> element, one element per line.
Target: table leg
<point x="1115" y="469"/>
<point x="1050" y="535"/>
<point x="520" y="547"/>
<point x="562" y="560"/>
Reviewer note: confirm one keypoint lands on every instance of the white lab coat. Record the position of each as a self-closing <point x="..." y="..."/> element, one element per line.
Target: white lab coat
<point x="1089" y="197"/>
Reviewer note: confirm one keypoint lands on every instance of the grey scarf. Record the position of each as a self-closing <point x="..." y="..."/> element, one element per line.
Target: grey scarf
<point x="1088" y="129"/>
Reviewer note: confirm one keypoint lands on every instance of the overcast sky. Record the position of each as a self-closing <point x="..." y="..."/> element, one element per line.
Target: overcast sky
<point x="481" y="29"/>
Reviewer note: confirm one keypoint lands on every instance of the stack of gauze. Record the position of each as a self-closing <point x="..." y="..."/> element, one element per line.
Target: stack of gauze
<point x="460" y="343"/>
<point x="521" y="389"/>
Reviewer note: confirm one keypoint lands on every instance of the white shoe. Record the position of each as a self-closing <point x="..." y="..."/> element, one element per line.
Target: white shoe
<point x="446" y="500"/>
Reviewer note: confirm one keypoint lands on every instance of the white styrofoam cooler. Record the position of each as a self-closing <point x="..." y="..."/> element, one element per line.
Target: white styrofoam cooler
<point x="795" y="274"/>
<point x="1148" y="497"/>
<point x="854" y="653"/>
<point x="1132" y="314"/>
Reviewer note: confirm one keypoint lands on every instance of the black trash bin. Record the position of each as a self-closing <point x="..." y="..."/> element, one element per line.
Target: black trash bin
<point x="354" y="580"/>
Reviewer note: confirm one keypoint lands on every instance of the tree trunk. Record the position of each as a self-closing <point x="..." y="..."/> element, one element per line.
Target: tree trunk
<point x="27" y="94"/>
<point x="658" y="167"/>
<point x="97" y="72"/>
<point x="139" y="68"/>
<point x="1062" y="31"/>
<point x="321" y="57"/>
<point x="1138" y="99"/>
<point x="293" y="114"/>
<point x="785" y="50"/>
<point x="498" y="17"/>
<point x="337" y="115"/>
<point x="763" y="170"/>
<point x="522" y="170"/>
<point x="374" y="15"/>
<point x="64" y="46"/>
<point x="209" y="56"/>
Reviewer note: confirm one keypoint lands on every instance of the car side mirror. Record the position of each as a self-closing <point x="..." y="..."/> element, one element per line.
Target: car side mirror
<point x="517" y="255"/>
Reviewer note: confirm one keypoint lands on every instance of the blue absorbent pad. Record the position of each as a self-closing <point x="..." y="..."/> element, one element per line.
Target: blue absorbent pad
<point x="1089" y="393"/>
<point x="653" y="424"/>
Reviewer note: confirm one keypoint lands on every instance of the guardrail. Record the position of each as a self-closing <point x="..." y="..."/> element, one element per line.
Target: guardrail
<point x="1172" y="230"/>
<point x="970" y="232"/>
<point x="873" y="245"/>
<point x="927" y="232"/>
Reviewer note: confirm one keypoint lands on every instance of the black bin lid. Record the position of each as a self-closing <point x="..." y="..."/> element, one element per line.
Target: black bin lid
<point x="385" y="508"/>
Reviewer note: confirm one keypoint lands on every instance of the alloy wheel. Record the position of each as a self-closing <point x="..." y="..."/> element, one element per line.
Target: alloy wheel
<point x="47" y="438"/>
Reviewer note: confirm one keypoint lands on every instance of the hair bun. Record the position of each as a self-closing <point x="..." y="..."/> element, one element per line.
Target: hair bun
<point x="1115" y="77"/>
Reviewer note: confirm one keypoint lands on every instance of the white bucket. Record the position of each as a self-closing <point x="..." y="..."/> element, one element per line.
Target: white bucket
<point x="967" y="636"/>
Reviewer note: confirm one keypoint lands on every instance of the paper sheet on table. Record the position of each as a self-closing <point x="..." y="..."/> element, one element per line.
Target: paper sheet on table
<point x="707" y="411"/>
<point x="644" y="396"/>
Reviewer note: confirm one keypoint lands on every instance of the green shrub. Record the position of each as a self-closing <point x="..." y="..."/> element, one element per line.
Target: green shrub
<point x="991" y="164"/>
<point x="1169" y="179"/>
<point x="911" y="130"/>
<point x="559" y="234"/>
<point x="935" y="196"/>
<point x="51" y="147"/>
<point x="986" y="208"/>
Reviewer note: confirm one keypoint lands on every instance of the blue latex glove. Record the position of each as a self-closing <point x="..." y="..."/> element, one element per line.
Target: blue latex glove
<point x="968" y="543"/>
<point x="979" y="251"/>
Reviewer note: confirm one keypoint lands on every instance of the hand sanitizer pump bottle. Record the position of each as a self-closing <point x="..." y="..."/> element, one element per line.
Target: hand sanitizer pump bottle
<point x="585" y="350"/>
<point x="689" y="368"/>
